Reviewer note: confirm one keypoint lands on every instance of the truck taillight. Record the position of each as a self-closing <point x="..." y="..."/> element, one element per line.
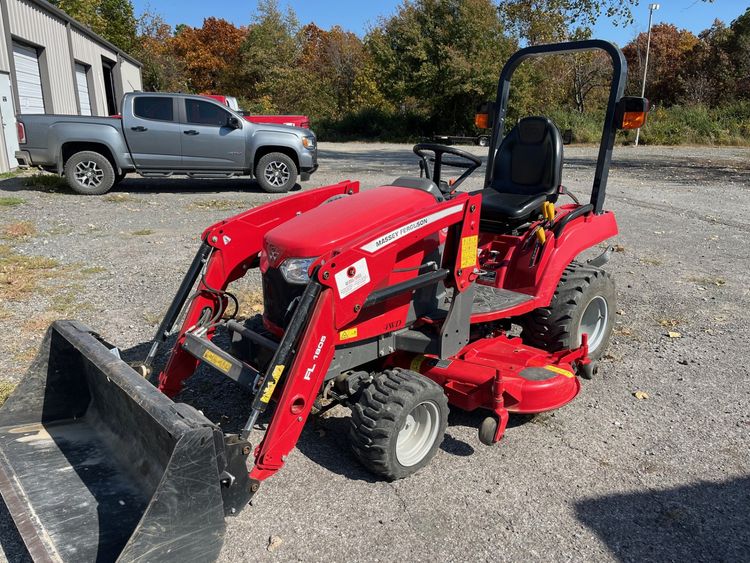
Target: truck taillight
<point x="21" y="131"/>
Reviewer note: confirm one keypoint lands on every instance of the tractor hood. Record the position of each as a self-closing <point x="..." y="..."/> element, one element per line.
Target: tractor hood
<point x="336" y="223"/>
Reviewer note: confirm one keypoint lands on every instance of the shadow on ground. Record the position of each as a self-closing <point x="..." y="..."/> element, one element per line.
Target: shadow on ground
<point x="137" y="185"/>
<point x="700" y="522"/>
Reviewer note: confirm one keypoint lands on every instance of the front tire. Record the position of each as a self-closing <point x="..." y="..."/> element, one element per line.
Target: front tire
<point x="89" y="173"/>
<point x="398" y="423"/>
<point x="584" y="302"/>
<point x="276" y="173"/>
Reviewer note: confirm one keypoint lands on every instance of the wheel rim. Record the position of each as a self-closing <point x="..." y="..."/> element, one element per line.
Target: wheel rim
<point x="594" y="321"/>
<point x="416" y="437"/>
<point x="277" y="173"/>
<point x="89" y="174"/>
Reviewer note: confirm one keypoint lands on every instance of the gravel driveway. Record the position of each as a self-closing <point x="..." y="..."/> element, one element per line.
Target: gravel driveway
<point x="661" y="476"/>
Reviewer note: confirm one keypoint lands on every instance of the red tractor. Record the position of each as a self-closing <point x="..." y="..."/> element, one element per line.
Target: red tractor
<point x="396" y="302"/>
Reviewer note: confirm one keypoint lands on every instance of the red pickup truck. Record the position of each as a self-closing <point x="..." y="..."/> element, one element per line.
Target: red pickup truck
<point x="231" y="102"/>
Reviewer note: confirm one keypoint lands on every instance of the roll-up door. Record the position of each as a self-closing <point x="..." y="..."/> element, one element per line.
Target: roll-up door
<point x="28" y="79"/>
<point x="82" y="84"/>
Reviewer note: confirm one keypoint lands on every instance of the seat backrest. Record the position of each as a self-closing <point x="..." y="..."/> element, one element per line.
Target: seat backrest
<point x="529" y="160"/>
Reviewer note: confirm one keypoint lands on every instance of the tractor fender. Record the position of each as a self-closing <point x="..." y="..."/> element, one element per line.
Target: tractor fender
<point x="578" y="235"/>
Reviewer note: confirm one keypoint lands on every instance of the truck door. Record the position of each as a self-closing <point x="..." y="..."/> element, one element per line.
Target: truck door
<point x="208" y="141"/>
<point x="153" y="132"/>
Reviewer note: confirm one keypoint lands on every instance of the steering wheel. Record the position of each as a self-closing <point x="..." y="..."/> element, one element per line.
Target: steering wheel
<point x="469" y="162"/>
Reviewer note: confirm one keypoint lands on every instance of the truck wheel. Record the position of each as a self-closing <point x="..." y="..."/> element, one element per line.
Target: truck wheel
<point x="89" y="173"/>
<point x="483" y="140"/>
<point x="584" y="302"/>
<point x="276" y="173"/>
<point x="398" y="423"/>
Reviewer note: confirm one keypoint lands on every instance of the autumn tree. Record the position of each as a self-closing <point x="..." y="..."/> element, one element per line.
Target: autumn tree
<point x="669" y="60"/>
<point x="210" y="56"/>
<point x="163" y="70"/>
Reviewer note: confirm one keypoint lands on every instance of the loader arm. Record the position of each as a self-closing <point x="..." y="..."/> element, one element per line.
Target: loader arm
<point x="229" y="249"/>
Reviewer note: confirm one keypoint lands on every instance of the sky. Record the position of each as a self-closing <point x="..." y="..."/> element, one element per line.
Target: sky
<point x="358" y="16"/>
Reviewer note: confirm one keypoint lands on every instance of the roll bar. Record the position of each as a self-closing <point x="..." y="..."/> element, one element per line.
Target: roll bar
<point x="617" y="88"/>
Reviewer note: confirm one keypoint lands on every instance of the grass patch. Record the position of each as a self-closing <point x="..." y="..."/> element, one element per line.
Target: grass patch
<point x="251" y="302"/>
<point x="65" y="304"/>
<point x="708" y="280"/>
<point x="6" y="388"/>
<point x="50" y="181"/>
<point x="143" y="232"/>
<point x="152" y="318"/>
<point x="93" y="270"/>
<point x="650" y="261"/>
<point x="220" y="204"/>
<point x="18" y="231"/>
<point x="11" y="201"/>
<point x="668" y="323"/>
<point x="120" y="198"/>
<point x="20" y="274"/>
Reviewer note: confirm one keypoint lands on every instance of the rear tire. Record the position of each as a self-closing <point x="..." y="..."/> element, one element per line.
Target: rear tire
<point x="89" y="173"/>
<point x="398" y="423"/>
<point x="583" y="302"/>
<point x="483" y="141"/>
<point x="276" y="173"/>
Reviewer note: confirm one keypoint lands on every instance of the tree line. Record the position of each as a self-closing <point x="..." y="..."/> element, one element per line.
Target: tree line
<point x="424" y="69"/>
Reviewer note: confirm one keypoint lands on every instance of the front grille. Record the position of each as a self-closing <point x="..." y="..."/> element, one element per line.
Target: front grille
<point x="278" y="294"/>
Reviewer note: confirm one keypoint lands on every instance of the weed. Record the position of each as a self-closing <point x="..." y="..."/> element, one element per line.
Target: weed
<point x="11" y="201"/>
<point x="18" y="231"/>
<point x="220" y="204"/>
<point x="120" y="198"/>
<point x="20" y="274"/>
<point x="6" y="388"/>
<point x="251" y="302"/>
<point x="708" y="280"/>
<point x="93" y="270"/>
<point x="143" y="232"/>
<point x="51" y="181"/>
<point x="650" y="261"/>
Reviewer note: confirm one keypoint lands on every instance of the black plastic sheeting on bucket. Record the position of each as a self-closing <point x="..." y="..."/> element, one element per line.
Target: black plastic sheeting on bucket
<point x="97" y="465"/>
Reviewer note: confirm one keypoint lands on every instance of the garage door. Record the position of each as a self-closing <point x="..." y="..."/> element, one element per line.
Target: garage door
<point x="82" y="84"/>
<point x="28" y="79"/>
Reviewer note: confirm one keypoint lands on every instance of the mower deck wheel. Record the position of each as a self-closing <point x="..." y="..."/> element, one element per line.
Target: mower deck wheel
<point x="398" y="423"/>
<point x="487" y="431"/>
<point x="584" y="302"/>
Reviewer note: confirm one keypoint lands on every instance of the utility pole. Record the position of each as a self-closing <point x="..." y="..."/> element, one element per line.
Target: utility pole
<point x="651" y="9"/>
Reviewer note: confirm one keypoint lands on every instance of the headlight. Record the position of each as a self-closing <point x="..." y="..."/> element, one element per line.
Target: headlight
<point x="308" y="142"/>
<point x="294" y="270"/>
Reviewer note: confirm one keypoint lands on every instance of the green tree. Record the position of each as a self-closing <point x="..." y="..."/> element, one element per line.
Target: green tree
<point x="112" y="19"/>
<point x="440" y="58"/>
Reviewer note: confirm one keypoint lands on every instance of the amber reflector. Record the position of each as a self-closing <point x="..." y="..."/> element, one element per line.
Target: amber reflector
<point x="482" y="120"/>
<point x="633" y="119"/>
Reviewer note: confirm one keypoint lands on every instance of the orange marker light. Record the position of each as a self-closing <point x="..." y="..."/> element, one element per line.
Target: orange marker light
<point x="633" y="119"/>
<point x="482" y="120"/>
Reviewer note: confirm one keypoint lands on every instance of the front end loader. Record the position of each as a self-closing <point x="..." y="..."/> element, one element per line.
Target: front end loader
<point x="396" y="302"/>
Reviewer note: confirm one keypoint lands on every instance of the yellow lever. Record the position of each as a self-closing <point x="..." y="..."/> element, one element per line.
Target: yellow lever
<point x="541" y="236"/>
<point x="548" y="210"/>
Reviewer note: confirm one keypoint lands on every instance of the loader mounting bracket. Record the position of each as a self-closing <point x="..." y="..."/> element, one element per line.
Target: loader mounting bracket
<point x="237" y="489"/>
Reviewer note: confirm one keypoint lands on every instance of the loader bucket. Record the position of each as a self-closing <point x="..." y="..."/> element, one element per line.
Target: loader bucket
<point x="97" y="465"/>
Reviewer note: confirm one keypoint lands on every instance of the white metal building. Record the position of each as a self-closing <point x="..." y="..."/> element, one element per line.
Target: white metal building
<point x="50" y="63"/>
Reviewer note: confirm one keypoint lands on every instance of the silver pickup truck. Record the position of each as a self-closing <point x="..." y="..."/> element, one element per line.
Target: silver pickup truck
<point x="160" y="135"/>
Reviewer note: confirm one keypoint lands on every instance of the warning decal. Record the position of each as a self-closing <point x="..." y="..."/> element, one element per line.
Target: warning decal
<point x="350" y="279"/>
<point x="469" y="251"/>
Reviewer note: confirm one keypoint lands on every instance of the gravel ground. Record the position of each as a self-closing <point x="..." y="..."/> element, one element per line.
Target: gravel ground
<point x="608" y="477"/>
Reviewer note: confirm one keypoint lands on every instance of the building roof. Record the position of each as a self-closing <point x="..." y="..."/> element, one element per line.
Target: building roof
<point x="85" y="30"/>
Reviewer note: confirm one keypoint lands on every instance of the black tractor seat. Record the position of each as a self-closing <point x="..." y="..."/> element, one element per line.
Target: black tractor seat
<point x="527" y="172"/>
